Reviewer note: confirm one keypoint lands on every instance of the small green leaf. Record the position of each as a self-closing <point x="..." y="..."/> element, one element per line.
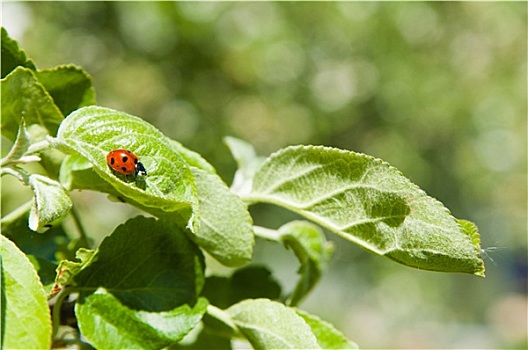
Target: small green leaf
<point x="368" y="202"/>
<point x="69" y="85"/>
<point x="247" y="161"/>
<point x="12" y="55"/>
<point x="25" y="318"/>
<point x="18" y="151"/>
<point x="23" y="96"/>
<point x="67" y="270"/>
<point x="141" y="288"/>
<point x="327" y="335"/>
<point x="93" y="131"/>
<point x="309" y="244"/>
<point x="226" y="227"/>
<point x="271" y="325"/>
<point x="250" y="282"/>
<point x="52" y="202"/>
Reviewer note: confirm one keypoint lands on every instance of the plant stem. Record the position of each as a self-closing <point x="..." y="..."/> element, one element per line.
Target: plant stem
<point x="221" y="315"/>
<point x="84" y="241"/>
<point x="55" y="317"/>
<point x="38" y="146"/>
<point x="18" y="173"/>
<point x="15" y="214"/>
<point x="266" y="233"/>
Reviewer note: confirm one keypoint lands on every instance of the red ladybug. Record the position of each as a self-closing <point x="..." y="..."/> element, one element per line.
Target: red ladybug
<point x="125" y="162"/>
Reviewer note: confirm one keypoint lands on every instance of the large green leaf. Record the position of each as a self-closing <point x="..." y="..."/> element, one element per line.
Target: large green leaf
<point x="92" y="132"/>
<point x="23" y="96"/>
<point x="271" y="325"/>
<point x="70" y="87"/>
<point x="25" y="318"/>
<point x="368" y="202"/>
<point x="141" y="288"/>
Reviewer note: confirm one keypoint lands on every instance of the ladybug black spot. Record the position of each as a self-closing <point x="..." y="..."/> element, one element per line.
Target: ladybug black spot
<point x="124" y="169"/>
<point x="112" y="161"/>
<point x="125" y="159"/>
<point x="135" y="160"/>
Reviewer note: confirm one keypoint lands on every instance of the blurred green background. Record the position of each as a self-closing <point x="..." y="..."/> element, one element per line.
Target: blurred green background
<point x="438" y="90"/>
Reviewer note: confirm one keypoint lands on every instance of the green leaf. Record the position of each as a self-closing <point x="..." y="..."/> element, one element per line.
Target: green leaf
<point x="23" y="96"/>
<point x="271" y="325"/>
<point x="247" y="161"/>
<point x="368" y="202"/>
<point x="250" y="282"/>
<point x="69" y="85"/>
<point x="52" y="202"/>
<point x="92" y="132"/>
<point x="327" y="335"/>
<point x="309" y="244"/>
<point x="12" y="55"/>
<point x="109" y="324"/>
<point x="24" y="318"/>
<point x="141" y="288"/>
<point x="226" y="227"/>
<point x="67" y="270"/>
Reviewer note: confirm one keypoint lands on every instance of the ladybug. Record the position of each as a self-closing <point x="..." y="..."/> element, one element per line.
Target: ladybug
<point x="125" y="162"/>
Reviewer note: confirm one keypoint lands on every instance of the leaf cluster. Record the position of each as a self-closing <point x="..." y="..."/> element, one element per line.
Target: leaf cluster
<point x="145" y="285"/>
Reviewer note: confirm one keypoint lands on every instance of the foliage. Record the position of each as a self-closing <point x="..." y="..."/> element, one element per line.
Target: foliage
<point x="145" y="284"/>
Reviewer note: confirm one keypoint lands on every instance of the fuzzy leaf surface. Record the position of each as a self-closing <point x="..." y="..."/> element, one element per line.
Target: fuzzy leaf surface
<point x="25" y="320"/>
<point x="93" y="131"/>
<point x="370" y="203"/>
<point x="141" y="288"/>
<point x="52" y="202"/>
